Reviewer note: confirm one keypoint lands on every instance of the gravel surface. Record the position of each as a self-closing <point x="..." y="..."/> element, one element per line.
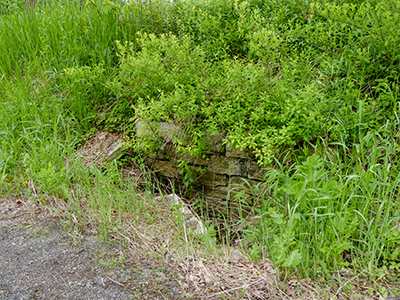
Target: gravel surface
<point x="46" y="267"/>
<point x="42" y="261"/>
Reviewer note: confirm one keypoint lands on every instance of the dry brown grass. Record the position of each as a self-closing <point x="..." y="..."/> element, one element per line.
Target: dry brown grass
<point x="93" y="150"/>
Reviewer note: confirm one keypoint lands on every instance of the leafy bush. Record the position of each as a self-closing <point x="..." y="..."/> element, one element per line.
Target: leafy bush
<point x="296" y="76"/>
<point x="171" y="80"/>
<point x="85" y="93"/>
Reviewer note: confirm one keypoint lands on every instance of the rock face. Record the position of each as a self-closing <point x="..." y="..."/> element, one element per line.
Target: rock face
<point x="213" y="175"/>
<point x="191" y="220"/>
<point x="114" y="150"/>
<point x="103" y="146"/>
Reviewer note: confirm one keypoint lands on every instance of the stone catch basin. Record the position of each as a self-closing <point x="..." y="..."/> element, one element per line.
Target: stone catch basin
<point x="213" y="176"/>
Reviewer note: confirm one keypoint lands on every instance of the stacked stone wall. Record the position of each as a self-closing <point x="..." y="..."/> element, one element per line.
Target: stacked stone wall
<point x="215" y="174"/>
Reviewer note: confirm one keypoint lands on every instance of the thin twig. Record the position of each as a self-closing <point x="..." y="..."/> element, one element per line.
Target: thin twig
<point x="234" y="289"/>
<point x="381" y="277"/>
<point x="121" y="285"/>
<point x="116" y="282"/>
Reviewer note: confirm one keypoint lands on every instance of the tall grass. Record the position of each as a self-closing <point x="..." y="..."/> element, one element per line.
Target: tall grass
<point x="54" y="63"/>
<point x="59" y="35"/>
<point x="332" y="212"/>
<point x="44" y="115"/>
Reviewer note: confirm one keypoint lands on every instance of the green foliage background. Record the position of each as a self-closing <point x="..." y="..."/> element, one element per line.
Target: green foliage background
<point x="311" y="88"/>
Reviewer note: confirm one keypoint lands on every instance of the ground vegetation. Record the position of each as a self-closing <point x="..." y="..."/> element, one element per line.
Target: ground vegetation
<point x="311" y="89"/>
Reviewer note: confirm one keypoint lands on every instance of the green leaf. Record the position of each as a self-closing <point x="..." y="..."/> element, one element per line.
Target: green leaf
<point x="293" y="259"/>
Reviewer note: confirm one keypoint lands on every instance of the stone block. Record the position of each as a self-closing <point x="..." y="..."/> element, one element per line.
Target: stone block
<point x="210" y="179"/>
<point x="214" y="143"/>
<point x="228" y="166"/>
<point x="171" y="132"/>
<point x="218" y="164"/>
<point x="255" y="171"/>
<point x="168" y="132"/>
<point x="165" y="168"/>
<point x="170" y="169"/>
<point x="114" y="150"/>
<point x="143" y="128"/>
<point x="216" y="192"/>
<point x="222" y="192"/>
<point x="234" y="152"/>
<point x="216" y="204"/>
<point x="192" y="220"/>
<point x="225" y="166"/>
<point x="240" y="180"/>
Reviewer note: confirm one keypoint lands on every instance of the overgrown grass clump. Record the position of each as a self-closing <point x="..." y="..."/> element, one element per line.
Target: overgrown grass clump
<point x="312" y="89"/>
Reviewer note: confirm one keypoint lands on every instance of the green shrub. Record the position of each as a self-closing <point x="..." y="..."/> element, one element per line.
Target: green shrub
<point x="273" y="76"/>
<point x="296" y="77"/>
<point x="85" y="94"/>
<point x="171" y="80"/>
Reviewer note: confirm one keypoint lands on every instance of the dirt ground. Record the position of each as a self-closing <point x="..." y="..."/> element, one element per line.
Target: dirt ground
<point x="41" y="260"/>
